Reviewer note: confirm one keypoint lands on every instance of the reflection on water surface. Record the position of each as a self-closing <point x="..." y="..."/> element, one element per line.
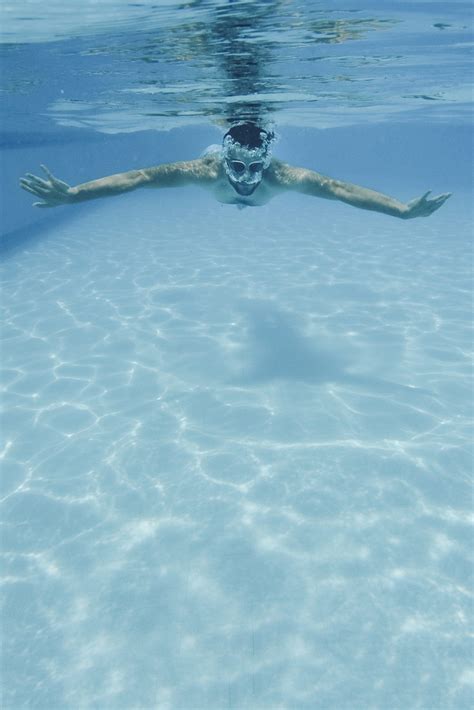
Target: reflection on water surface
<point x="132" y="66"/>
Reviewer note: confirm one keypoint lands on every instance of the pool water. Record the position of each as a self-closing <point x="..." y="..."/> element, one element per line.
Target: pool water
<point x="237" y="459"/>
<point x="236" y="444"/>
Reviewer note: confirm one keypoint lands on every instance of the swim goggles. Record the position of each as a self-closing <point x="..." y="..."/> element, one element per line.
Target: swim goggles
<point x="239" y="167"/>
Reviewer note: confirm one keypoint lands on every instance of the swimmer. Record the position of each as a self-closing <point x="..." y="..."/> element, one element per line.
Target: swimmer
<point x="242" y="172"/>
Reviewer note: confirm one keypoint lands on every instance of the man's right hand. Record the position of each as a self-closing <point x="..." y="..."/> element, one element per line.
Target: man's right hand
<point x="52" y="191"/>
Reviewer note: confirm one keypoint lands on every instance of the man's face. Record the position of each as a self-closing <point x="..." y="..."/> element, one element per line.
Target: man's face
<point x="244" y="167"/>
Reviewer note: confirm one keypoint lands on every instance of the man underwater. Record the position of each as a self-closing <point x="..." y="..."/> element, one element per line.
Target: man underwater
<point x="243" y="172"/>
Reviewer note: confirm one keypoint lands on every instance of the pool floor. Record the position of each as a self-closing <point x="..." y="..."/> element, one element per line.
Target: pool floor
<point x="236" y="458"/>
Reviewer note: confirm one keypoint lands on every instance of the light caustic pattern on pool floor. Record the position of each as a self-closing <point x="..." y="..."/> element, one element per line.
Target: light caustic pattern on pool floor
<point x="235" y="460"/>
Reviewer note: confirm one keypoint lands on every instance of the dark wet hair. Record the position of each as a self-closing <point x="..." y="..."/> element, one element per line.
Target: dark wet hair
<point x="249" y="135"/>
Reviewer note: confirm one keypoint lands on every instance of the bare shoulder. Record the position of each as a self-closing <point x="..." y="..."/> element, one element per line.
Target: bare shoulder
<point x="208" y="167"/>
<point x="290" y="177"/>
<point x="201" y="170"/>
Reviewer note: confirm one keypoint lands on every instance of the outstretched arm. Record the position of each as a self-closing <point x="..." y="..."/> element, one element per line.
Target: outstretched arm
<point x="312" y="183"/>
<point x="54" y="192"/>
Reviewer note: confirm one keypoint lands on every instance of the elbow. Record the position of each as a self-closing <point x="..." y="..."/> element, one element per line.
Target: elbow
<point x="143" y="178"/>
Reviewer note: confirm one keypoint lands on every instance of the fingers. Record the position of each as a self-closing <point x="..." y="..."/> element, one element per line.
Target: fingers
<point x="423" y="207"/>
<point x="37" y="181"/>
<point x="436" y="202"/>
<point x="35" y="185"/>
<point x="439" y="198"/>
<point x="50" y="191"/>
<point x="49" y="174"/>
<point x="35" y="189"/>
<point x="46" y="170"/>
<point x="442" y="198"/>
<point x="36" y="192"/>
<point x="26" y="185"/>
<point x="54" y="180"/>
<point x="420" y="201"/>
<point x="29" y="188"/>
<point x="42" y="204"/>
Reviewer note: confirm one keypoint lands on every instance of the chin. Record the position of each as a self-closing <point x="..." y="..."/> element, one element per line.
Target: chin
<point x="243" y="189"/>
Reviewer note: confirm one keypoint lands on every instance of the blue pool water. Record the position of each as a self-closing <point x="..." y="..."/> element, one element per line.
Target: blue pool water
<point x="237" y="444"/>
